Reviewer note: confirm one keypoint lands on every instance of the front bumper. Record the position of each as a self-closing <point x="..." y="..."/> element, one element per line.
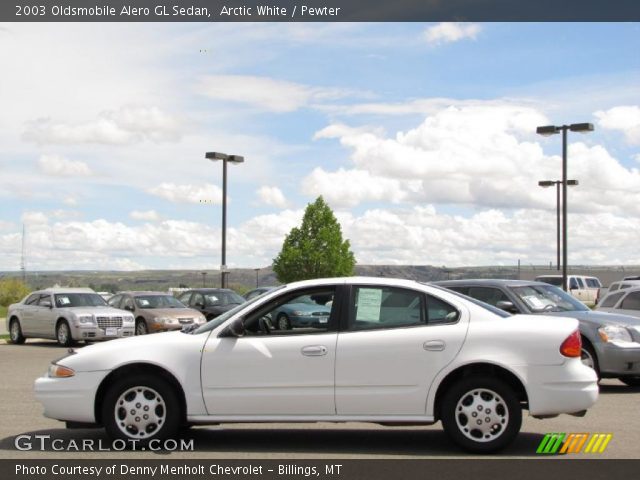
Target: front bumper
<point x="70" y="399"/>
<point x="93" y="332"/>
<point x="618" y="358"/>
<point x="553" y="391"/>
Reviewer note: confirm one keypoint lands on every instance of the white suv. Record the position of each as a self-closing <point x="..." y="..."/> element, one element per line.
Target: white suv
<point x="67" y="315"/>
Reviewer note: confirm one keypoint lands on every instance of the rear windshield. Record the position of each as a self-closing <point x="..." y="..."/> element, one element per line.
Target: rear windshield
<point x="496" y="311"/>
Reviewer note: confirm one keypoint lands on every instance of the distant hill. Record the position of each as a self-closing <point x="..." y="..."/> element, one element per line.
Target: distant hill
<point x="243" y="280"/>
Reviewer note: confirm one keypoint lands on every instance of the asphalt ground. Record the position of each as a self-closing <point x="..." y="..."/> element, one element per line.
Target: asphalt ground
<point x="616" y="412"/>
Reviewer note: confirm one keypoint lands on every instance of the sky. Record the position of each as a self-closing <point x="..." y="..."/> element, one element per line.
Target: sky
<point x="420" y="136"/>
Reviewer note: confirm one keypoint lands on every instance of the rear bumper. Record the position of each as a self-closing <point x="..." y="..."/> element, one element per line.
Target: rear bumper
<point x="553" y="390"/>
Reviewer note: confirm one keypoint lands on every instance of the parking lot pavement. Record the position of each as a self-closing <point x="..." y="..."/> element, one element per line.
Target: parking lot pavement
<point x="20" y="413"/>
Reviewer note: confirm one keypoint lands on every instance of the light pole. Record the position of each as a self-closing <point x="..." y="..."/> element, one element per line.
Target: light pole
<point x="551" y="130"/>
<point x="204" y="275"/>
<point x="233" y="159"/>
<point x="257" y="271"/>
<point x="557" y="183"/>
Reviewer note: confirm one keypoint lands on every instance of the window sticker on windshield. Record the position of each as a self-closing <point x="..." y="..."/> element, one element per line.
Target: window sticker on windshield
<point x="143" y="302"/>
<point x="535" y="302"/>
<point x="64" y="301"/>
<point x="212" y="298"/>
<point x="369" y="302"/>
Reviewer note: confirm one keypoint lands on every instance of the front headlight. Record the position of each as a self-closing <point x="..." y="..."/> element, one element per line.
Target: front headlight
<point x="614" y="333"/>
<point x="201" y="319"/>
<point x="298" y="313"/>
<point x="58" y="371"/>
<point x="127" y="319"/>
<point x="85" y="319"/>
<point x="162" y="320"/>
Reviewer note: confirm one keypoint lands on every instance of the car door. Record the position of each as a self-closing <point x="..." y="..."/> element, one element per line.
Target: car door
<point x="282" y="372"/>
<point x="27" y="314"/>
<point x="393" y="345"/>
<point x="44" y="316"/>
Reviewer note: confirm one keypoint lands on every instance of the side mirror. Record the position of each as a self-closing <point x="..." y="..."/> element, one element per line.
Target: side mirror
<point x="199" y="305"/>
<point x="507" y="306"/>
<point x="129" y="308"/>
<point x="235" y="329"/>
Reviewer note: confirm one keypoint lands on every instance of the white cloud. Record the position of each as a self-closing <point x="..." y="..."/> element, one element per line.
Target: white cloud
<point x="124" y="126"/>
<point x="272" y="196"/>
<point x="70" y="201"/>
<point x="623" y="118"/>
<point x="188" y="193"/>
<point x="478" y="155"/>
<point x="268" y="93"/>
<point x="146" y="215"/>
<point x="34" y="218"/>
<point x="58" y="166"/>
<point x="451" y="32"/>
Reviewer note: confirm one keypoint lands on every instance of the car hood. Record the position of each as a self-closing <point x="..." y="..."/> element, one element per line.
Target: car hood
<point x="143" y="348"/>
<point x="97" y="311"/>
<point x="601" y="318"/>
<point x="172" y="312"/>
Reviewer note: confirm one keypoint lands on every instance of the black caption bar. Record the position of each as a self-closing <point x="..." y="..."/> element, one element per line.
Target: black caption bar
<point x="319" y="10"/>
<point x="161" y="469"/>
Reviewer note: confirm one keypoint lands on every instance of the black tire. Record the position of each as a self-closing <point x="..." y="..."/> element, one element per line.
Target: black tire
<point x="282" y="322"/>
<point x="132" y="392"/>
<point x="63" y="334"/>
<point x="589" y="357"/>
<point x="497" y="409"/>
<point x="631" y="381"/>
<point x="15" y="332"/>
<point x="141" y="327"/>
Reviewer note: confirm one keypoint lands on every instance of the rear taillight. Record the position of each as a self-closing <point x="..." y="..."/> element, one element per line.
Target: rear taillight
<point x="572" y="346"/>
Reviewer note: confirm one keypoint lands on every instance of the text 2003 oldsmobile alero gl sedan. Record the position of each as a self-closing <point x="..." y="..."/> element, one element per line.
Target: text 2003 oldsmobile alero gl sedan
<point x="392" y="351"/>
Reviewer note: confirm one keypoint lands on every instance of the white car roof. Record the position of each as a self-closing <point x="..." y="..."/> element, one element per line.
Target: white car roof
<point x="66" y="290"/>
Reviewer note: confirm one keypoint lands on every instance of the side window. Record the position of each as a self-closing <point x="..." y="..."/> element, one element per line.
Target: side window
<point x="580" y="283"/>
<point x="184" y="298"/>
<point x="115" y="301"/>
<point x="33" y="299"/>
<point x="197" y="300"/>
<point x="439" y="312"/>
<point x="631" y="302"/>
<point x="127" y="304"/>
<point x="306" y="311"/>
<point x="462" y="290"/>
<point x="488" y="295"/>
<point x="382" y="307"/>
<point x="45" y="300"/>
<point x="573" y="284"/>
<point x="611" y="300"/>
<point x="614" y="287"/>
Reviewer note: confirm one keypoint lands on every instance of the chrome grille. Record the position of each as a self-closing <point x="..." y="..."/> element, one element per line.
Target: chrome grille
<point x="185" y="320"/>
<point x="109" y="322"/>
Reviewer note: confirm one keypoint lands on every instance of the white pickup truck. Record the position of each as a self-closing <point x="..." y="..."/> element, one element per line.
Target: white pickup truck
<point x="586" y="289"/>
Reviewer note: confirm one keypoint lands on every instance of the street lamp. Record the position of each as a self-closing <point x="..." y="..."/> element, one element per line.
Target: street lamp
<point x="257" y="272"/>
<point x="233" y="159"/>
<point x="204" y="275"/>
<point x="551" y="130"/>
<point x="557" y="183"/>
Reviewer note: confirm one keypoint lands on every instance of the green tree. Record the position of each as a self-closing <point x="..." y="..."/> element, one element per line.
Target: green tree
<point x="315" y="249"/>
<point x="12" y="290"/>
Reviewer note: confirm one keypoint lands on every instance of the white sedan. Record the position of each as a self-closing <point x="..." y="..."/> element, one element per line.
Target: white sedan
<point x="388" y="351"/>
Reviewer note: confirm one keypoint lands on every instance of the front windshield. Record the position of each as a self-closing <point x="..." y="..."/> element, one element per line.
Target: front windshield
<point x="547" y="298"/>
<point x="219" y="320"/>
<point x="69" y="300"/>
<point x="158" y="301"/>
<point x="223" y="298"/>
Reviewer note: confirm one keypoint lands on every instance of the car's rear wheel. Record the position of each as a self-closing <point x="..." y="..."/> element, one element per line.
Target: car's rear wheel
<point x="15" y="332"/>
<point x="283" y="322"/>
<point x="63" y="334"/>
<point x="481" y="414"/>
<point x="141" y="408"/>
<point x="631" y="381"/>
<point x="141" y="327"/>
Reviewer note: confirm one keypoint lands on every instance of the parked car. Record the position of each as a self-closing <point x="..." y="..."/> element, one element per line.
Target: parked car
<point x="624" y="301"/>
<point x="392" y="351"/>
<point x="257" y="292"/>
<point x="155" y="311"/>
<point x="610" y="343"/>
<point x="303" y="311"/>
<point x="615" y="286"/>
<point x="211" y="302"/>
<point x="66" y="315"/>
<point x="586" y="289"/>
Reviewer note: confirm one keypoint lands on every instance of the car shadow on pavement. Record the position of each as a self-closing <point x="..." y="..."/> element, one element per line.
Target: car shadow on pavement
<point x="392" y="441"/>
<point x="619" y="389"/>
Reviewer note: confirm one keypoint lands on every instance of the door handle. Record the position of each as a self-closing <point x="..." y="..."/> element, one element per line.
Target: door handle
<point x="314" y="350"/>
<point x="434" y="345"/>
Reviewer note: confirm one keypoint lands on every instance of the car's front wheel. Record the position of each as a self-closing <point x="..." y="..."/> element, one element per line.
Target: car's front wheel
<point x="283" y="322"/>
<point x="481" y="414"/>
<point x="15" y="332"/>
<point x="141" y="327"/>
<point x="141" y="408"/>
<point x="63" y="334"/>
<point x="589" y="358"/>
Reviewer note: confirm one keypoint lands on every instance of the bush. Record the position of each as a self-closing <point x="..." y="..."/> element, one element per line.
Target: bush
<point x="12" y="290"/>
